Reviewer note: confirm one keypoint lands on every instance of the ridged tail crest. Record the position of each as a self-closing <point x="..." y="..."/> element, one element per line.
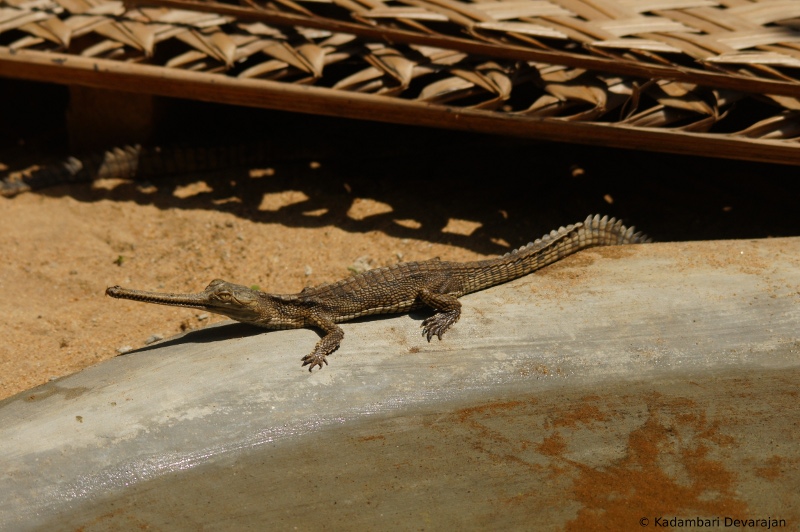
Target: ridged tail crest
<point x="594" y="231"/>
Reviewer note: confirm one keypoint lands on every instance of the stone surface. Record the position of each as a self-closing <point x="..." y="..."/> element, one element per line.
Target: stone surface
<point x="642" y="382"/>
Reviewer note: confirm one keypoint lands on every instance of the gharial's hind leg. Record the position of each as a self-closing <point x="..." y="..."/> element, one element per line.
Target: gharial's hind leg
<point x="448" y="310"/>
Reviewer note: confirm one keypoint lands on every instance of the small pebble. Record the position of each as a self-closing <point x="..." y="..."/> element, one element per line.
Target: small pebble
<point x="361" y="264"/>
<point x="203" y="316"/>
<point x="153" y="339"/>
<point x="124" y="349"/>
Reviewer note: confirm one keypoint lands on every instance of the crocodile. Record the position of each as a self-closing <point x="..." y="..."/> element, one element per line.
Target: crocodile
<point x="133" y="161"/>
<point x="403" y="287"/>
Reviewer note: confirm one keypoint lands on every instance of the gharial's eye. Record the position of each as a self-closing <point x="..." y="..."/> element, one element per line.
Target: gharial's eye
<point x="224" y="296"/>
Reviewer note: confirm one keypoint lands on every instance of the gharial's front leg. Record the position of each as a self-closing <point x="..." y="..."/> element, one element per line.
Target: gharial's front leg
<point x="327" y="344"/>
<point x="448" y="310"/>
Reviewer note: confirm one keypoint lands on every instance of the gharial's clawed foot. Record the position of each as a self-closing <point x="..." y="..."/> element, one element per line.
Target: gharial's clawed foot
<point x="327" y="345"/>
<point x="438" y="324"/>
<point x="314" y="359"/>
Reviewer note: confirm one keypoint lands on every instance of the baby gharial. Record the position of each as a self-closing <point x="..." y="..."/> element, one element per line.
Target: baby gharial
<point x="393" y="289"/>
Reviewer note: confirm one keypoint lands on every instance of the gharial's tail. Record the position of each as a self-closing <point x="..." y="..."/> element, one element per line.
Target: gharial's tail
<point x="594" y="231"/>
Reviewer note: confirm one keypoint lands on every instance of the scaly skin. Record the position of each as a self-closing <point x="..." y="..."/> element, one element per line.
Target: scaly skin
<point x="393" y="289"/>
<point x="133" y="162"/>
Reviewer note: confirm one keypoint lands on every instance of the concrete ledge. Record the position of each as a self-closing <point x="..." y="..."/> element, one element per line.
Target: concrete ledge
<point x="620" y="384"/>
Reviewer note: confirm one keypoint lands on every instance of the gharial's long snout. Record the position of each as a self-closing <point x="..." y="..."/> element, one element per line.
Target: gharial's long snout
<point x="221" y="297"/>
<point x="180" y="300"/>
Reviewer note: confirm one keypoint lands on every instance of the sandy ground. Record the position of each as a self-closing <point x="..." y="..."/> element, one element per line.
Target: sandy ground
<point x="60" y="254"/>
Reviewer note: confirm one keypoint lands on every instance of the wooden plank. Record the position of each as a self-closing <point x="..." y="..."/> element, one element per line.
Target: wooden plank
<point x="107" y="74"/>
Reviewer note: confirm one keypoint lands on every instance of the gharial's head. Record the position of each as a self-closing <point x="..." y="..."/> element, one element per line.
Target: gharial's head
<point x="220" y="297"/>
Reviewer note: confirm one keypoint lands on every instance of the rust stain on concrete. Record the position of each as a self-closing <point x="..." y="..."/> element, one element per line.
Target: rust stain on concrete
<point x="668" y="468"/>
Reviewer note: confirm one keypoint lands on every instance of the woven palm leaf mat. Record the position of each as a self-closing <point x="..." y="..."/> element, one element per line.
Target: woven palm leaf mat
<point x="687" y="76"/>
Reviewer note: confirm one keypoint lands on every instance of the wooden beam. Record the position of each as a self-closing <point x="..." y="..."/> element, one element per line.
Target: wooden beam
<point x="218" y="88"/>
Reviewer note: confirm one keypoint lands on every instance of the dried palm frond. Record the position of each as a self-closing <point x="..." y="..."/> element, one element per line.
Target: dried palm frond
<point x="691" y="76"/>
